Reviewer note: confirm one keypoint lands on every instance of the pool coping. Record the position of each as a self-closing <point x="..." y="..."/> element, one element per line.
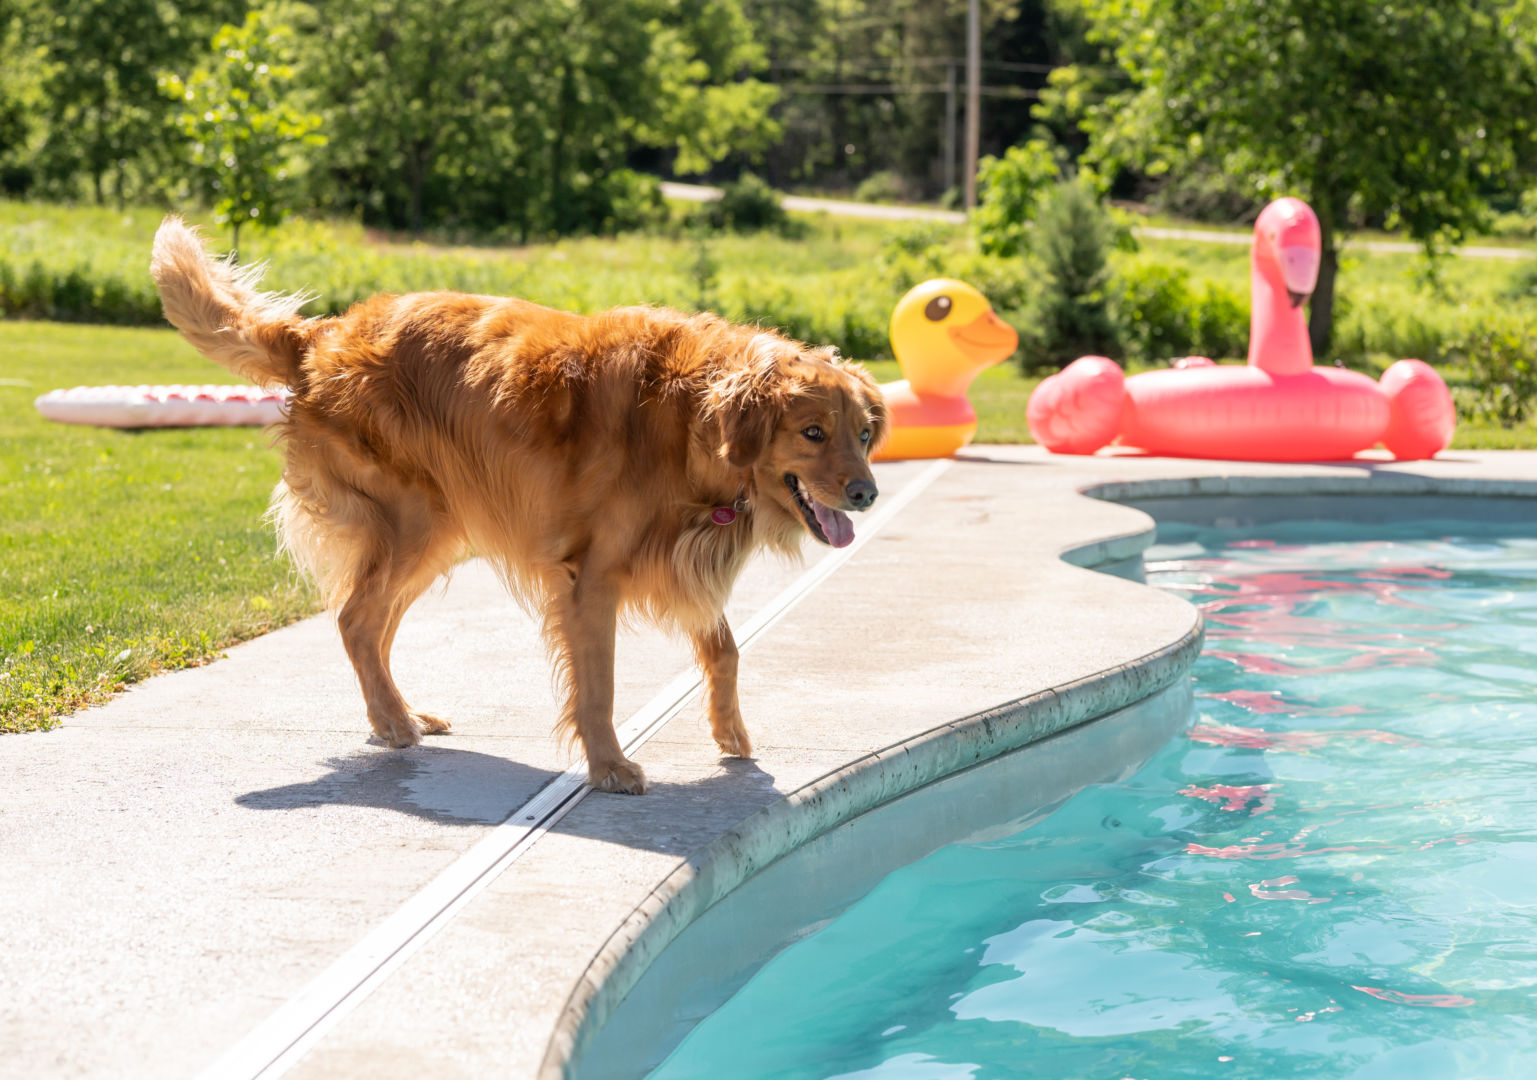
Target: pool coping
<point x="771" y="833"/>
<point x="872" y="780"/>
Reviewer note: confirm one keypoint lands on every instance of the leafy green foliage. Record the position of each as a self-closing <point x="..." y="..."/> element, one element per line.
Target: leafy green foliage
<point x="1502" y="361"/>
<point x="245" y="129"/>
<point x="881" y="187"/>
<point x="1070" y="314"/>
<point x="746" y="205"/>
<point x="1162" y="314"/>
<point x="1009" y="191"/>
<point x="818" y="284"/>
<point x="1399" y="114"/>
<point x="103" y="118"/>
<point x="475" y="113"/>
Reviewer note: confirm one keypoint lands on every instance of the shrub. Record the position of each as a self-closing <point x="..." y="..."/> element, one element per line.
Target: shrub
<point x="635" y="202"/>
<point x="1209" y="193"/>
<point x="1152" y="303"/>
<point x="1397" y="324"/>
<point x="1513" y="226"/>
<point x="1523" y="281"/>
<point x="1502" y="361"/>
<point x="747" y="204"/>
<point x="857" y="324"/>
<point x="885" y="186"/>
<point x="1069" y="316"/>
<point x="1161" y="314"/>
<point x="922" y="252"/>
<point x="1010" y="189"/>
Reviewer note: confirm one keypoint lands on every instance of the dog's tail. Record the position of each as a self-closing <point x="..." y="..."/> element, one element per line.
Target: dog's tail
<point x="217" y="307"/>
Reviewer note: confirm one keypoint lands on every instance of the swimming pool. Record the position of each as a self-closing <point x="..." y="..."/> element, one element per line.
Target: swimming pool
<point x="1329" y="873"/>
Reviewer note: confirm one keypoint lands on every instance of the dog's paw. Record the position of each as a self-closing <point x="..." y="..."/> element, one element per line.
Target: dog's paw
<point x="430" y="724"/>
<point x="734" y="743"/>
<point x="730" y="735"/>
<point x="622" y="777"/>
<point x="397" y="732"/>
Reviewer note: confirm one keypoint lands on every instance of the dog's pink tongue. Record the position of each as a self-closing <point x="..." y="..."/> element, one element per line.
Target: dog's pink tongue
<point x="836" y="525"/>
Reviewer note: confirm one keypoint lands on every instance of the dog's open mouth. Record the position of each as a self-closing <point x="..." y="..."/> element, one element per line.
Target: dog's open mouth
<point x="826" y="524"/>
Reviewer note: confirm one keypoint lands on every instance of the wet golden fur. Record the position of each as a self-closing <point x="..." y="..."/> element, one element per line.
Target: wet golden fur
<point x="581" y="455"/>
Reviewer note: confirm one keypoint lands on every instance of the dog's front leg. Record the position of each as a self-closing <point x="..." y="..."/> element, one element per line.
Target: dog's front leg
<point x="583" y="632"/>
<point x="717" y="655"/>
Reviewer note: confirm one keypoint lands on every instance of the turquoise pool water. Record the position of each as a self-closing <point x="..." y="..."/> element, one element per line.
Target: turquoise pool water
<point x="1331" y="873"/>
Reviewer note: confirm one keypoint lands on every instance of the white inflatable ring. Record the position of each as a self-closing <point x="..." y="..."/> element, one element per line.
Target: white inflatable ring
<point x="164" y="406"/>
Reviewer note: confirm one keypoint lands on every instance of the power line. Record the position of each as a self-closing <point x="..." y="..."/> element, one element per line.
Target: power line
<point x="899" y="88"/>
<point x="929" y="61"/>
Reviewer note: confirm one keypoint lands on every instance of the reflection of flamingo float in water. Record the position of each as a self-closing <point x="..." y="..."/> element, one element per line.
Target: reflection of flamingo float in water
<point x="1277" y="408"/>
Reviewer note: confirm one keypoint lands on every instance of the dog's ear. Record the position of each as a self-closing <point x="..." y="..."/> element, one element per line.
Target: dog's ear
<point x="747" y="403"/>
<point x="875" y="402"/>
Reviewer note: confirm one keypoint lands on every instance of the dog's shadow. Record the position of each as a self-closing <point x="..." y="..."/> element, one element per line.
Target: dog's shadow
<point x="462" y="787"/>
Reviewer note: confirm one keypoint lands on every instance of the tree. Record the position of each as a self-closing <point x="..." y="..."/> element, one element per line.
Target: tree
<point x="104" y="116"/>
<point x="478" y="112"/>
<point x="866" y="82"/>
<point x="1070" y="310"/>
<point x="20" y="96"/>
<point x="1011" y="188"/>
<point x="1404" y="114"/>
<point x="239" y="113"/>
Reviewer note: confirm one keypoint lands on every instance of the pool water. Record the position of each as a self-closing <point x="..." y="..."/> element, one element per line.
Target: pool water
<point x="1331" y="873"/>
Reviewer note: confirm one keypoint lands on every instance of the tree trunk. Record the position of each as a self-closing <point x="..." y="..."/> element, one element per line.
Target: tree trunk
<point x="561" y="212"/>
<point x="417" y="178"/>
<point x="1321" y="311"/>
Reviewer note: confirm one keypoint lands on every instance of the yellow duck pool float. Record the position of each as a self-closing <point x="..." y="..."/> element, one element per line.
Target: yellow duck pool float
<point x="943" y="333"/>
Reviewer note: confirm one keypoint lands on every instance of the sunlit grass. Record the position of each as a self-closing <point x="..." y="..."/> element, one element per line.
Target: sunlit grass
<point x="123" y="553"/>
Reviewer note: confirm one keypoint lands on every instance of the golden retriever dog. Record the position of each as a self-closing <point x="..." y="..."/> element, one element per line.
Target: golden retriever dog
<point x="628" y="462"/>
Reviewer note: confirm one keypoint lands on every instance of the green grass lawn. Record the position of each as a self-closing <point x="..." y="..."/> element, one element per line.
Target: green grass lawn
<point x="123" y="553"/>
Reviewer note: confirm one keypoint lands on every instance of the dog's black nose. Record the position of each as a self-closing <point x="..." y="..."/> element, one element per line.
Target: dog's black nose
<point x="861" y="493"/>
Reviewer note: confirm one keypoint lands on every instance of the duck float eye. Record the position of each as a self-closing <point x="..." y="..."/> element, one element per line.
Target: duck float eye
<point x="937" y="308"/>
<point x="814" y="433"/>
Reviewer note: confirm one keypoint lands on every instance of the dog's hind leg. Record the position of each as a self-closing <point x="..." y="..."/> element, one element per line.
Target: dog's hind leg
<point x="717" y="655"/>
<point x="581" y="619"/>
<point x="405" y="557"/>
<point x="410" y="577"/>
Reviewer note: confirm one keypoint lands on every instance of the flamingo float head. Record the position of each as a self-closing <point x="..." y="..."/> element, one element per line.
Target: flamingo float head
<point x="1283" y="270"/>
<point x="1287" y="247"/>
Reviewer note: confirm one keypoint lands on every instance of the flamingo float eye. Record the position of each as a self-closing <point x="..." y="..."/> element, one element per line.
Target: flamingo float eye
<point x="937" y="308"/>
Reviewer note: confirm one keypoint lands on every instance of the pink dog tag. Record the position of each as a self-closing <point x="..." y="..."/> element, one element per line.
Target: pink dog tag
<point x="723" y="515"/>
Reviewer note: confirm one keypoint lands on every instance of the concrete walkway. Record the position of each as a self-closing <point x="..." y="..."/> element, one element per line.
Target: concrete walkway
<point x="197" y="871"/>
<point x="881" y="212"/>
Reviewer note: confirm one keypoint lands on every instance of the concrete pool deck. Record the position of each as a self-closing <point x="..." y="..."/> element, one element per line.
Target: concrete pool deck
<point x="217" y="873"/>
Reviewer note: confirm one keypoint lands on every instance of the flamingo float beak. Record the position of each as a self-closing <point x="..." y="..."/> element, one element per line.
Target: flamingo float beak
<point x="1299" y="270"/>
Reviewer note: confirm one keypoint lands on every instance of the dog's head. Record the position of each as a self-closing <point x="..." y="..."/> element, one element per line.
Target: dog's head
<point x="804" y="423"/>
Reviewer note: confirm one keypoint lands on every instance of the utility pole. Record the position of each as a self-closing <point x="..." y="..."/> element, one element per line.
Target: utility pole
<point x="948" y="172"/>
<point x="973" y="98"/>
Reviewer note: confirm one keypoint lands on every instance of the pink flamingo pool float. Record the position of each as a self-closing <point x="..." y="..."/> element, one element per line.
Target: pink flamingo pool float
<point x="1279" y="407"/>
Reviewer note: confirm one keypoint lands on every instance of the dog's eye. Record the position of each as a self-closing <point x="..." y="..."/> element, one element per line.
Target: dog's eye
<point x="864" y="436"/>
<point x="814" y="433"/>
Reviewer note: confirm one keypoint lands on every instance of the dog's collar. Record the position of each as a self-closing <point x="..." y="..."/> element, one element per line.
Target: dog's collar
<point x="725" y="515"/>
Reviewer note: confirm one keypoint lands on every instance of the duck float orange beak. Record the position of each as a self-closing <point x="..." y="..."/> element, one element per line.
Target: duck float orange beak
<point x="943" y="333"/>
